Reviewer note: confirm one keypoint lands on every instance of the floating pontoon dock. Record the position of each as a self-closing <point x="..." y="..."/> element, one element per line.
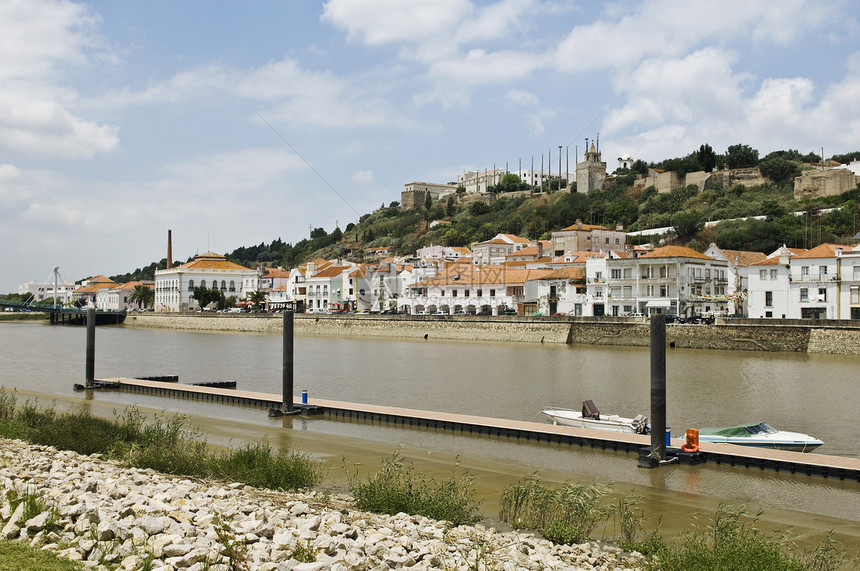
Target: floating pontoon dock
<point x="808" y="464"/>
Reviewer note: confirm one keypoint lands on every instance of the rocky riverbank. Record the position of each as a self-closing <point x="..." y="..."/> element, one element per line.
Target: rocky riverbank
<point x="112" y="517"/>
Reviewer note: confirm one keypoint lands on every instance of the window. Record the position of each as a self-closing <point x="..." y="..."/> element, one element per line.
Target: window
<point x="616" y="274"/>
<point x="804" y="294"/>
<point x="768" y="299"/>
<point x="232" y="285"/>
<point x="662" y="271"/>
<point x="804" y="271"/>
<point x="223" y="285"/>
<point x="202" y="283"/>
<point x="822" y="272"/>
<point x="773" y="274"/>
<point x="822" y="294"/>
<point x="855" y="294"/>
<point x="628" y="273"/>
<point x="762" y="274"/>
<point x="708" y="274"/>
<point x="480" y="292"/>
<point x="190" y="285"/>
<point x="663" y="291"/>
<point x="597" y="276"/>
<point x="492" y="293"/>
<point x="453" y="293"/>
<point x="607" y="241"/>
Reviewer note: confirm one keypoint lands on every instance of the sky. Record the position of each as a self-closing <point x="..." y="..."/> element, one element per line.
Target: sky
<point x="236" y="123"/>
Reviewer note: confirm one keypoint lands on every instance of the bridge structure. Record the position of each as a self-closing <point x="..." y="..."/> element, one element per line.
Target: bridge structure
<point x="60" y="315"/>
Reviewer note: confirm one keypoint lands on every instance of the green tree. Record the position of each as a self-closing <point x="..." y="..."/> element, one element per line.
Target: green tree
<point x="779" y="170"/>
<point x="142" y="295"/>
<point x="428" y="200"/>
<point x="741" y="156"/>
<point x="706" y="157"/>
<point x="204" y="296"/>
<point x="257" y="298"/>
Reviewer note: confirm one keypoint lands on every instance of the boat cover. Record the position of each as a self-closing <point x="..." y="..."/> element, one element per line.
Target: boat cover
<point x="589" y="410"/>
<point x="749" y="429"/>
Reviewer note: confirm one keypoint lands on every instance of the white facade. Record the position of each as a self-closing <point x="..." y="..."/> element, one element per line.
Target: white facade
<point x="174" y="287"/>
<point x="44" y="291"/>
<point x="672" y="279"/>
<point x="822" y="283"/>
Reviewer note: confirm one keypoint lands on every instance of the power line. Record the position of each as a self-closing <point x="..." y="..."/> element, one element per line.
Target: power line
<point x="310" y="166"/>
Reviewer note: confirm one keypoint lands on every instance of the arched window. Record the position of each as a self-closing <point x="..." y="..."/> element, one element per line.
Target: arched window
<point x="223" y="285"/>
<point x="232" y="285"/>
<point x="202" y="283"/>
<point x="190" y="285"/>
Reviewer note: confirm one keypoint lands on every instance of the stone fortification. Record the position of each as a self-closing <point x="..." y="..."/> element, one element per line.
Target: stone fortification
<point x="113" y="517"/>
<point x="730" y="334"/>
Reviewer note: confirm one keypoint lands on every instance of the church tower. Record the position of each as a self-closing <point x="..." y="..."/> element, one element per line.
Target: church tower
<point x="591" y="172"/>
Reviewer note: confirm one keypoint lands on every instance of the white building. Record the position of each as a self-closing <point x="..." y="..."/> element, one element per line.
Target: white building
<point x="44" y="291"/>
<point x="821" y="283"/>
<point x="671" y="279"/>
<point x="495" y="250"/>
<point x="738" y="285"/>
<point x="174" y="286"/>
<point x="117" y="298"/>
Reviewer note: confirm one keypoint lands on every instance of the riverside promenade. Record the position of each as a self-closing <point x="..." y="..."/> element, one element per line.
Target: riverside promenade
<point x="768" y="335"/>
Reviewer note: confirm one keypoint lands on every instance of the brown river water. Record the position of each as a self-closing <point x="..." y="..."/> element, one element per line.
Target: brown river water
<point x="815" y="394"/>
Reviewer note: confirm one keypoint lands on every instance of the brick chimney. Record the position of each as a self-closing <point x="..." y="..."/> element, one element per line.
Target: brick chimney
<point x="169" y="249"/>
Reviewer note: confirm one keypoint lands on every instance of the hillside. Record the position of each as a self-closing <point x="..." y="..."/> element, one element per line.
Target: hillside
<point x="687" y="209"/>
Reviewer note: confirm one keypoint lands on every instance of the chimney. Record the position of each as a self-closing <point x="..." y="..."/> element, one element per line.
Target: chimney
<point x="578" y="224"/>
<point x="169" y="249"/>
<point x="540" y="249"/>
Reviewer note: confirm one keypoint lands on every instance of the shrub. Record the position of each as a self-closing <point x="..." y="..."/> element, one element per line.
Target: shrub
<point x="396" y="488"/>
<point x="565" y="515"/>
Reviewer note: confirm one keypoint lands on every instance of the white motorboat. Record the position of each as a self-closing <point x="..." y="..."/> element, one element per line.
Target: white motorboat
<point x="762" y="435"/>
<point x="590" y="417"/>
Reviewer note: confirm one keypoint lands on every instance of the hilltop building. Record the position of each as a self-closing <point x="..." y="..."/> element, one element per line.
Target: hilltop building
<point x="591" y="172"/>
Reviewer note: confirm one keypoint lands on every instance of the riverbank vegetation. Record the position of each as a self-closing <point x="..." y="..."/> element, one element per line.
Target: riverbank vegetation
<point x="165" y="444"/>
<point x="563" y="514"/>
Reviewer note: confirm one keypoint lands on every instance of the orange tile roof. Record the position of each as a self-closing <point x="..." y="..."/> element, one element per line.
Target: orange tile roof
<point x="676" y="252"/>
<point x="824" y="251"/>
<point x="585" y="228"/>
<point x="484" y="275"/>
<point x="743" y="257"/>
<point x="566" y="273"/>
<point x="211" y="260"/>
<point x="331" y="271"/>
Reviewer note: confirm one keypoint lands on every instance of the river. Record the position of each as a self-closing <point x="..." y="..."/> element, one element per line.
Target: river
<point x="815" y="394"/>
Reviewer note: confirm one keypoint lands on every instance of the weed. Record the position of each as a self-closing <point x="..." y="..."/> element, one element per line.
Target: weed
<point x="34" y="504"/>
<point x="566" y="515"/>
<point x="233" y="552"/>
<point x="7" y="403"/>
<point x="304" y="553"/>
<point x="726" y="544"/>
<point x="397" y="488"/>
<point x="259" y="465"/>
<point x="826" y="557"/>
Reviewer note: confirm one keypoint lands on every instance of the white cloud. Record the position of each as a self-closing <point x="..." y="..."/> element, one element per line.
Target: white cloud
<point x="534" y="115"/>
<point x="363" y="177"/>
<point x="666" y="29"/>
<point x="39" y="40"/>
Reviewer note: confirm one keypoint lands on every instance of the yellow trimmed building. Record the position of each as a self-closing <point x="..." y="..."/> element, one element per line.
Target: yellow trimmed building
<point x="174" y="286"/>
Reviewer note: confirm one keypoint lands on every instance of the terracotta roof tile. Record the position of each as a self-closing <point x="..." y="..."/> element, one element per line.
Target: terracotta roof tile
<point x="676" y="252"/>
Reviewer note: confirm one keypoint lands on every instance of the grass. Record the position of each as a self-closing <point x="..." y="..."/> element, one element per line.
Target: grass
<point x="397" y="488"/>
<point x="567" y="514"/>
<point x="162" y="443"/>
<point x="15" y="556"/>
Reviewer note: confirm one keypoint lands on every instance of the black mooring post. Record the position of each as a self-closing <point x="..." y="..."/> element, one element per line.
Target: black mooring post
<point x="658" y="387"/>
<point x="91" y="347"/>
<point x="287" y="376"/>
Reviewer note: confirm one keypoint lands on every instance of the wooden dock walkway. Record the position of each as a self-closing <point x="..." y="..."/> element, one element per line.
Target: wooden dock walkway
<point x="808" y="464"/>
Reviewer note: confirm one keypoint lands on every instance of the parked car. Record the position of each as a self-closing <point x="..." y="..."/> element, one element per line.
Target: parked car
<point x="736" y="316"/>
<point x="673" y="318"/>
<point x="635" y="314"/>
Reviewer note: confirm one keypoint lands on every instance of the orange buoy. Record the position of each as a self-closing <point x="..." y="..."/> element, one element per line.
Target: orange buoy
<point x="692" y="444"/>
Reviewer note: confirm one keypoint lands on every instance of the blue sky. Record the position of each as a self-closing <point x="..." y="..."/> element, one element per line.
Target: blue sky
<point x="236" y="123"/>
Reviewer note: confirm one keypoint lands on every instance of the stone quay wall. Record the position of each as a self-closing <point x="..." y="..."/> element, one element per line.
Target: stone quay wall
<point x="736" y="335"/>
